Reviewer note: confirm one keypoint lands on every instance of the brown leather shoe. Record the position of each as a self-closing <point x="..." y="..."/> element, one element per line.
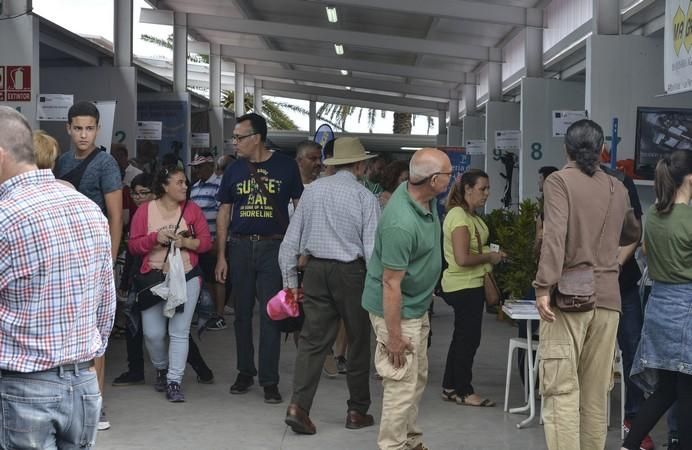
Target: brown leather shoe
<point x="298" y="420"/>
<point x="356" y="420"/>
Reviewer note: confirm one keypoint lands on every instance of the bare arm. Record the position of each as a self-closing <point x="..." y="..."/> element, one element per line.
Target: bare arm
<point x="222" y="220"/>
<point x="114" y="212"/>
<point x="462" y="250"/>
<point x="391" y="303"/>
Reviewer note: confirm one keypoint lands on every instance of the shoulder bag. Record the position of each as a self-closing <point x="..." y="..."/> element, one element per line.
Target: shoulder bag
<point x="492" y="291"/>
<point x="576" y="287"/>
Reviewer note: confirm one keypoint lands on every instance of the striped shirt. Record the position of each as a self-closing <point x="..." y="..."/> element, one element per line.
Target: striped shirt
<point x="57" y="294"/>
<point x="336" y="219"/>
<point x="203" y="193"/>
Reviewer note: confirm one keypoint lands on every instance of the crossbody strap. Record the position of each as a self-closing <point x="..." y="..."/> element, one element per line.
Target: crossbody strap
<point x="176" y="229"/>
<point x="270" y="198"/>
<point x="605" y="220"/>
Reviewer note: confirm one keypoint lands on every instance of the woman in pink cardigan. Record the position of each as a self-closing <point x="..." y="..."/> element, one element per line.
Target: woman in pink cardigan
<point x="152" y="230"/>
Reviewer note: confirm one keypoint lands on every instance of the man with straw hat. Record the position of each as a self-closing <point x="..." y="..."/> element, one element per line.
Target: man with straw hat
<point x="334" y="225"/>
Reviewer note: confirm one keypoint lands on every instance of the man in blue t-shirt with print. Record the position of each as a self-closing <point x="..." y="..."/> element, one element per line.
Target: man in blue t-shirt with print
<point x="256" y="190"/>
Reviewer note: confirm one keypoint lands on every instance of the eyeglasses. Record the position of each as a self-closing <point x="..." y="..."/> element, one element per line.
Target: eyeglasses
<point x="429" y="177"/>
<point x="140" y="193"/>
<point x="239" y="138"/>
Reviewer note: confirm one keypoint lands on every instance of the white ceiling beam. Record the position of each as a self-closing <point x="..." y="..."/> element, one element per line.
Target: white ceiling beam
<point x="264" y="72"/>
<point x="347" y="95"/>
<point x="455" y="9"/>
<point x="340" y="62"/>
<point x="322" y="34"/>
<point x="352" y="102"/>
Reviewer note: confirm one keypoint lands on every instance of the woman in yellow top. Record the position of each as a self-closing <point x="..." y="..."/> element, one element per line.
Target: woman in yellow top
<point x="465" y="235"/>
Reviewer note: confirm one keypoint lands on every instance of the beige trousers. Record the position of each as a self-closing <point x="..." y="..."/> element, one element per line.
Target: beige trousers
<point x="403" y="387"/>
<point x="576" y="361"/>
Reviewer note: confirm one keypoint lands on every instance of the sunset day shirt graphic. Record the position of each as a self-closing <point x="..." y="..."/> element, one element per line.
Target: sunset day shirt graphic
<point x="253" y="213"/>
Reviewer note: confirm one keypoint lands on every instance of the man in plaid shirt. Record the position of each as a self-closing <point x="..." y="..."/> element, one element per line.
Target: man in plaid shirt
<point x="57" y="300"/>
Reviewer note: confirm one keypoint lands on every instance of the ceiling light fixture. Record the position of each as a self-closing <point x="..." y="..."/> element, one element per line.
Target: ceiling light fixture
<point x="344" y="72"/>
<point x="348" y="88"/>
<point x="411" y="149"/>
<point x="331" y="14"/>
<point x="339" y="49"/>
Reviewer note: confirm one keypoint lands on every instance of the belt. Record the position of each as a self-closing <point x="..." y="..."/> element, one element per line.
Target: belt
<point x="336" y="261"/>
<point x="70" y="367"/>
<point x="258" y="237"/>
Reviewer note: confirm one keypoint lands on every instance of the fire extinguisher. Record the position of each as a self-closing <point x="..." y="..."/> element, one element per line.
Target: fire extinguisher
<point x="17" y="79"/>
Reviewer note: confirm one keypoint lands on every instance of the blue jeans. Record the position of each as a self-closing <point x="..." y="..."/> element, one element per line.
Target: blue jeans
<point x="629" y="332"/>
<point x="255" y="273"/>
<point x="49" y="410"/>
<point x="156" y="326"/>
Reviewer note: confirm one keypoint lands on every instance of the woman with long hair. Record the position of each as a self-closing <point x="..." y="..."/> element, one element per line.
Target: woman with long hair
<point x="468" y="256"/>
<point x="663" y="363"/>
<point x="168" y="220"/>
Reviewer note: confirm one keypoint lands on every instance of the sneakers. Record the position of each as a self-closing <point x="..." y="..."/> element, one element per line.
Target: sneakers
<point x="161" y="382"/>
<point x="128" y="379"/>
<point x="272" y="395"/>
<point x="216" y="324"/>
<point x="242" y="384"/>
<point x="174" y="393"/>
<point x="341" y="365"/>
<point x="228" y="311"/>
<point x="673" y="444"/>
<point x="329" y="368"/>
<point x="103" y="423"/>
<point x="646" y="444"/>
<point x="206" y="378"/>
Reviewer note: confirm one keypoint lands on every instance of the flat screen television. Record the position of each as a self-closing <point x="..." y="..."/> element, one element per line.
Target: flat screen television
<point x="660" y="131"/>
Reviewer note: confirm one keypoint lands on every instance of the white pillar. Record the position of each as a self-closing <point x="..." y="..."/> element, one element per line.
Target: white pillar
<point x="180" y="52"/>
<point x="494" y="82"/>
<point x="258" y="96"/>
<point x="606" y="17"/>
<point x="313" y="117"/>
<point x="533" y="56"/>
<point x="453" y="111"/>
<point x="15" y="7"/>
<point x="122" y="37"/>
<point x="239" y="89"/>
<point x="470" y="99"/>
<point x="216" y="110"/>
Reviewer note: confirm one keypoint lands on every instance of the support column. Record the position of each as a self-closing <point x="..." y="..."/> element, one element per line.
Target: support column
<point x="606" y="17"/>
<point x="533" y="55"/>
<point x="239" y="89"/>
<point x="216" y="110"/>
<point x="180" y="52"/>
<point x="453" y="112"/>
<point x="313" y="117"/>
<point x="441" y="127"/>
<point x="15" y="7"/>
<point x="258" y="96"/>
<point x="494" y="82"/>
<point x="470" y="99"/>
<point x="122" y="38"/>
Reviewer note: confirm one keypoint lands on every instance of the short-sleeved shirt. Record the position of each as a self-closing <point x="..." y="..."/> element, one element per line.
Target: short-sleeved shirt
<point x="408" y="238"/>
<point x="456" y="277"/>
<point x="101" y="177"/>
<point x="203" y="193"/>
<point x="253" y="213"/>
<point x="669" y="244"/>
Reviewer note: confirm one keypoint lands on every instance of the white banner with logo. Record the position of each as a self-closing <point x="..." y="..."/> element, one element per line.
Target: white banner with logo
<point x="678" y="46"/>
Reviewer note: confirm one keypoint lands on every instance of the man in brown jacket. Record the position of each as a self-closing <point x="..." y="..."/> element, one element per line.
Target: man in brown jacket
<point x="587" y="217"/>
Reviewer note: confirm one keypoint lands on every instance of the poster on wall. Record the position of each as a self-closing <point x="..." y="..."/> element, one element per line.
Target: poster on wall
<point x="53" y="107"/>
<point x="508" y="140"/>
<point x="677" y="53"/>
<point x="200" y="140"/>
<point x="563" y="119"/>
<point x="174" y="116"/>
<point x="149" y="129"/>
<point x="475" y="147"/>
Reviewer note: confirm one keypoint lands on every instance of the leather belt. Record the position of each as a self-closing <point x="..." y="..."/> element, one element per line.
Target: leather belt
<point x="70" y="367"/>
<point x="258" y="237"/>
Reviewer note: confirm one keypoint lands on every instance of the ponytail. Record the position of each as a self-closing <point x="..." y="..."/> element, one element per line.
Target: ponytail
<point x="583" y="141"/>
<point x="670" y="174"/>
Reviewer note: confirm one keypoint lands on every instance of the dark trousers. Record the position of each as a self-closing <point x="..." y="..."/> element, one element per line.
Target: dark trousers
<point x="255" y="273"/>
<point x="333" y="292"/>
<point x="629" y="331"/>
<point x="468" y="307"/>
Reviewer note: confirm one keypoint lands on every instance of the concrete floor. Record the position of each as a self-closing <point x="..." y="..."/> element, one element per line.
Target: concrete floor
<point x="213" y="419"/>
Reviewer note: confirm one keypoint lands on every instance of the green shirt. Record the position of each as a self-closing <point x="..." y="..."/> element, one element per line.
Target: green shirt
<point x="668" y="242"/>
<point x="456" y="277"/>
<point x="407" y="238"/>
<point x="373" y="187"/>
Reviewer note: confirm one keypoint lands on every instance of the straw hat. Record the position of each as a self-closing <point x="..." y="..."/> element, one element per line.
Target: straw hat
<point x="347" y="150"/>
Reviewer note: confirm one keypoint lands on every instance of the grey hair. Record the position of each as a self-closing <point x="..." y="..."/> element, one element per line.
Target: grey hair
<point x="16" y="136"/>
<point x="422" y="167"/>
<point x="305" y="146"/>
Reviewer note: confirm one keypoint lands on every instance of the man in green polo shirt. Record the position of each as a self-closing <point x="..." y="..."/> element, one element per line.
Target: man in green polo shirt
<point x="402" y="273"/>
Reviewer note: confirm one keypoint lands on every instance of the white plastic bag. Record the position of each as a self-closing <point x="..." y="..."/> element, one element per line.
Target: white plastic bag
<point x="174" y="287"/>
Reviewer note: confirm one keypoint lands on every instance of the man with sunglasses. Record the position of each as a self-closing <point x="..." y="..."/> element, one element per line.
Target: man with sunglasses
<point x="256" y="190"/>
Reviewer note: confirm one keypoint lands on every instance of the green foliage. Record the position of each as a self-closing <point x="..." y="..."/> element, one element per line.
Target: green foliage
<point x="276" y="118"/>
<point x="516" y="235"/>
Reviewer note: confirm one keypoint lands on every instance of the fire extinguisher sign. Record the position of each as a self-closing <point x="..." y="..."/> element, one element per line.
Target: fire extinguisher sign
<point x="17" y="82"/>
<point x="2" y="83"/>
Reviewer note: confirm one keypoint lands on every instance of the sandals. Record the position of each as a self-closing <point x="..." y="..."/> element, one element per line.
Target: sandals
<point x="485" y="403"/>
<point x="450" y="396"/>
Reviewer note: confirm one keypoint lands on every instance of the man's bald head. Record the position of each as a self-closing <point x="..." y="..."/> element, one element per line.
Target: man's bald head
<point x="427" y="161"/>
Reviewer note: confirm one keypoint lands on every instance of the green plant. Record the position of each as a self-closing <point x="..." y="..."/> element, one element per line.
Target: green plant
<point x="515" y="232"/>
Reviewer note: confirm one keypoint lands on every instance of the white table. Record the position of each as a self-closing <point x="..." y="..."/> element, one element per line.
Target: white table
<point x="529" y="315"/>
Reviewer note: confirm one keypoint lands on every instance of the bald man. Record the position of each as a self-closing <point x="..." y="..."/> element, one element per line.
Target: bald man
<point x="402" y="274"/>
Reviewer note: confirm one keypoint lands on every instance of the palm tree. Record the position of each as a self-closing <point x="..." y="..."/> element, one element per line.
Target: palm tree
<point x="276" y="118"/>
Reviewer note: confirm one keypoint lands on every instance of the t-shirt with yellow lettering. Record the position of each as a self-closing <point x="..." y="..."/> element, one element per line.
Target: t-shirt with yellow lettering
<point x="456" y="277"/>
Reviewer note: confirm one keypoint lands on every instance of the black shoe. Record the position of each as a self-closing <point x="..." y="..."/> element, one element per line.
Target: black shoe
<point x="161" y="380"/>
<point x="216" y="324"/>
<point x="128" y="379"/>
<point x="242" y="384"/>
<point x="341" y="365"/>
<point x="206" y="377"/>
<point x="271" y="394"/>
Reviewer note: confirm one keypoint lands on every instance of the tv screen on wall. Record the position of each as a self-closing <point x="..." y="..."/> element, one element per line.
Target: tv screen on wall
<point x="660" y="131"/>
